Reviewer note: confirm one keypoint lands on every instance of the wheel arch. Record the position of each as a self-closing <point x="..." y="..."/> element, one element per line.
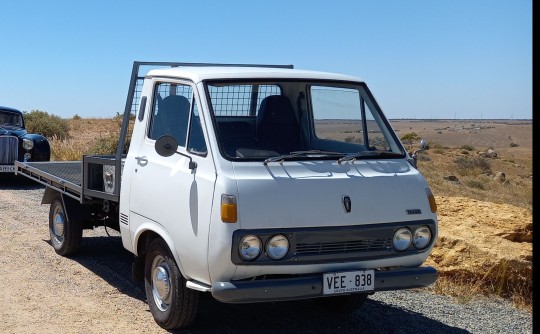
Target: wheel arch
<point x="49" y="195"/>
<point x="148" y="232"/>
<point x="74" y="209"/>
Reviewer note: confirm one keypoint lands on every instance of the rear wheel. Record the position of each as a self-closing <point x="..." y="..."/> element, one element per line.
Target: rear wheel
<point x="343" y="304"/>
<point x="171" y="303"/>
<point x="66" y="235"/>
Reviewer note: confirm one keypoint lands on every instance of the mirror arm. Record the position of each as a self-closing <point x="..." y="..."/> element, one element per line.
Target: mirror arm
<point x="192" y="164"/>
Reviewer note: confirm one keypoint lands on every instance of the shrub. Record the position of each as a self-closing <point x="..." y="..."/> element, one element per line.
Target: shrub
<point x="410" y="137"/>
<point x="438" y="151"/>
<point x="353" y="139"/>
<point x="472" y="166"/>
<point x="108" y="145"/>
<point x="474" y="184"/>
<point x="467" y="147"/>
<point x="48" y="125"/>
<point x="439" y="146"/>
<point x="105" y="146"/>
<point x="77" y="117"/>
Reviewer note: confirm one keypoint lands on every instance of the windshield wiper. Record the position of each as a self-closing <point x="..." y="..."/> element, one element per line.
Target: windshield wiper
<point x="295" y="154"/>
<point x="369" y="154"/>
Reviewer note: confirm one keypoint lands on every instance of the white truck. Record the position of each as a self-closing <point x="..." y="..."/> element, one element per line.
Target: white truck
<point x="251" y="183"/>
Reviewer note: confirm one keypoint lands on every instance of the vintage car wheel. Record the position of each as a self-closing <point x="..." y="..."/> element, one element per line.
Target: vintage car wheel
<point x="66" y="235"/>
<point x="343" y="304"/>
<point x="171" y="303"/>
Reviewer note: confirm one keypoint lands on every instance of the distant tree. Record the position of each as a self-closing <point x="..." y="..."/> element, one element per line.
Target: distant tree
<point x="410" y="138"/>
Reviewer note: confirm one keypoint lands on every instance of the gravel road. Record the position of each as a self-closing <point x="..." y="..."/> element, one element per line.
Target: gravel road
<point x="91" y="292"/>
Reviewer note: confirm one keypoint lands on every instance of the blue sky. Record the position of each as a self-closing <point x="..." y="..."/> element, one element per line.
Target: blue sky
<point x="421" y="58"/>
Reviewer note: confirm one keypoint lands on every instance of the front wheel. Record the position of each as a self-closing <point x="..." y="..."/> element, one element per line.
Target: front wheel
<point x="66" y="234"/>
<point x="171" y="303"/>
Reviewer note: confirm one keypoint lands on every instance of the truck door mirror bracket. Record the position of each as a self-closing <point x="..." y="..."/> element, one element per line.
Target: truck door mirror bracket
<point x="167" y="145"/>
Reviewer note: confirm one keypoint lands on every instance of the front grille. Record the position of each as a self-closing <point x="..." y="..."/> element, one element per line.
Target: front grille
<point x="331" y="244"/>
<point x="8" y="150"/>
<point x="344" y="247"/>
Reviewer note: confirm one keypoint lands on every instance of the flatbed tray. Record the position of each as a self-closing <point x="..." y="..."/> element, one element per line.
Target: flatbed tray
<point x="65" y="176"/>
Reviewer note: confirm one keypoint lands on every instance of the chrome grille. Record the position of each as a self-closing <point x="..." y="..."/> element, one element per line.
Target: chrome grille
<point x="8" y="150"/>
<point x="352" y="246"/>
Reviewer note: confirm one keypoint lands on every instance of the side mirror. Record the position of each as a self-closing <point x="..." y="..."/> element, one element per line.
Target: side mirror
<point x="167" y="145"/>
<point x="423" y="146"/>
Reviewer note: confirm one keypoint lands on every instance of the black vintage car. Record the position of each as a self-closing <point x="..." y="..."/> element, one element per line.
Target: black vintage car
<point x="17" y="144"/>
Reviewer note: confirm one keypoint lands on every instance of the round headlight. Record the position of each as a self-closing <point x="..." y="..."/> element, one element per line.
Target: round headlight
<point x="402" y="239"/>
<point x="277" y="247"/>
<point x="422" y="237"/>
<point x="27" y="144"/>
<point x="250" y="247"/>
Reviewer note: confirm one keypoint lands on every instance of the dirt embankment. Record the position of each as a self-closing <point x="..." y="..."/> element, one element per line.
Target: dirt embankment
<point x="485" y="242"/>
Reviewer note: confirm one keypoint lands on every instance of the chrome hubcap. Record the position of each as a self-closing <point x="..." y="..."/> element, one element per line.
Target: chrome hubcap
<point x="58" y="225"/>
<point x="161" y="283"/>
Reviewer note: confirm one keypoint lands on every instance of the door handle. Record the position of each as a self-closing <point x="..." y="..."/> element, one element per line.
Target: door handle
<point x="142" y="161"/>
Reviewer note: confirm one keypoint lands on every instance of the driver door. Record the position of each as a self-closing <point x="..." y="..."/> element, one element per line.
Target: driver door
<point x="165" y="192"/>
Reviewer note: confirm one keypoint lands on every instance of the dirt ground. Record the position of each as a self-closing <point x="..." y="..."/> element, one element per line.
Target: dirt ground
<point x="46" y="293"/>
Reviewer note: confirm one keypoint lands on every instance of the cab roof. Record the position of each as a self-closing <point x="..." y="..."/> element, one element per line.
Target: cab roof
<point x="200" y="73"/>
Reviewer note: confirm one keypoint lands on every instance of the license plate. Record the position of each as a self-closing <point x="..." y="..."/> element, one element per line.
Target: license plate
<point x="7" y="169"/>
<point x="349" y="281"/>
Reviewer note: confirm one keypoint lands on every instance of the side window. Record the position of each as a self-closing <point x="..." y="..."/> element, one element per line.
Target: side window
<point x="170" y="113"/>
<point x="196" y="143"/>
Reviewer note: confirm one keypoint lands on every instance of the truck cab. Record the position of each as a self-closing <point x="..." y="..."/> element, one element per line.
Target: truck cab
<point x="268" y="183"/>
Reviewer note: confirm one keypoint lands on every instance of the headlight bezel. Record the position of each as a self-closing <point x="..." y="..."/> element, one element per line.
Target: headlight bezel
<point x="27" y="144"/>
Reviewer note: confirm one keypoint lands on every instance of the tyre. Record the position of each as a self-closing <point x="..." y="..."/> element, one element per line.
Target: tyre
<point x="66" y="235"/>
<point x="171" y="303"/>
<point x="343" y="304"/>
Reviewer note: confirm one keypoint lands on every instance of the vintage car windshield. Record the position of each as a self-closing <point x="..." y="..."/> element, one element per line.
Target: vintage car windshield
<point x="10" y="119"/>
<point x="299" y="120"/>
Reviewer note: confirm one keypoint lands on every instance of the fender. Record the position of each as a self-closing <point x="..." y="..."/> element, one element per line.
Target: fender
<point x="48" y="195"/>
<point x="163" y="234"/>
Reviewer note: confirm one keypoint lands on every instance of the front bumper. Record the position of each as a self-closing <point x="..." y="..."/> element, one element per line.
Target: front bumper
<point x="311" y="286"/>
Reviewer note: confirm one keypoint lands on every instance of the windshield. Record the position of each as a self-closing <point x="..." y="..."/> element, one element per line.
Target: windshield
<point x="299" y="120"/>
<point x="10" y="119"/>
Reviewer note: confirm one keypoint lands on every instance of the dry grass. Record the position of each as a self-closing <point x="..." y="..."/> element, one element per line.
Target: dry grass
<point x="86" y="136"/>
<point x="503" y="280"/>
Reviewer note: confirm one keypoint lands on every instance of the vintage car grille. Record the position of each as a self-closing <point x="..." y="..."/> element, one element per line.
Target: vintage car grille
<point x="344" y="247"/>
<point x="8" y="150"/>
